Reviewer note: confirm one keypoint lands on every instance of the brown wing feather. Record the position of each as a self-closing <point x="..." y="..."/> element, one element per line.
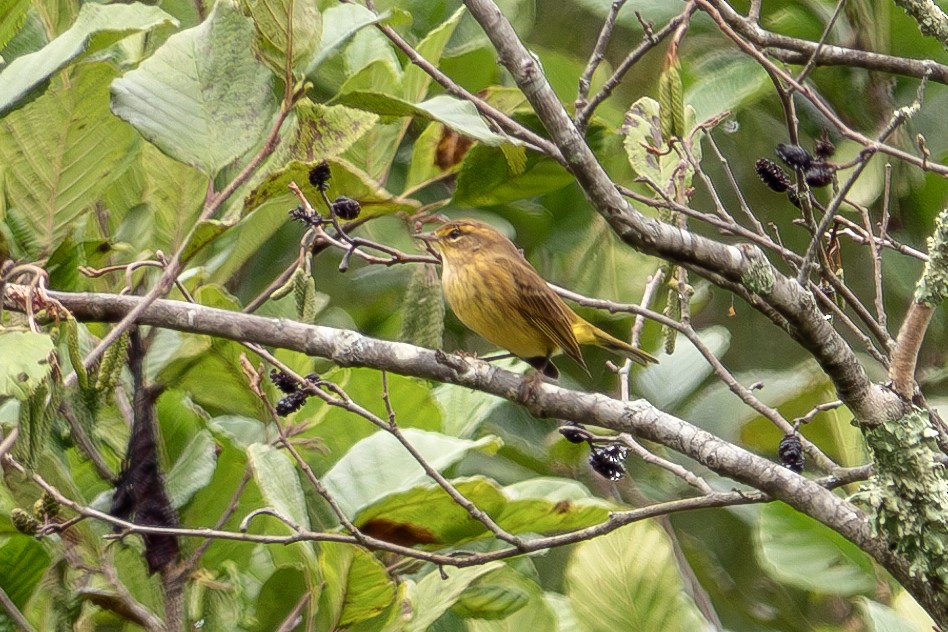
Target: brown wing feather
<point x="544" y="309"/>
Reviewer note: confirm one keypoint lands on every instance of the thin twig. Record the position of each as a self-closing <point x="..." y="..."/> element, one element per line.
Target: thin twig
<point x="819" y="408"/>
<point x="14" y="613"/>
<point x="583" y="116"/>
<point x="811" y="63"/>
<point x="681" y="472"/>
<point x="598" y="53"/>
<point x="897" y="119"/>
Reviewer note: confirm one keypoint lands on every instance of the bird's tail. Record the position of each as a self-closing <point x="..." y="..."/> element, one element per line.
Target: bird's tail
<point x="604" y="340"/>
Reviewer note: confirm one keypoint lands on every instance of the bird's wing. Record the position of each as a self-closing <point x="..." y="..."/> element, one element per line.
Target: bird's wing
<point x="547" y="311"/>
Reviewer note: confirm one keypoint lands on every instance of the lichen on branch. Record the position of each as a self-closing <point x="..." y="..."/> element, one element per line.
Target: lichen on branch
<point x="932" y="288"/>
<point x="908" y="494"/>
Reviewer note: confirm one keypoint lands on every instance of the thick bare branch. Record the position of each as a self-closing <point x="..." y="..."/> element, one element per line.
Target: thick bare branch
<point x="742" y="269"/>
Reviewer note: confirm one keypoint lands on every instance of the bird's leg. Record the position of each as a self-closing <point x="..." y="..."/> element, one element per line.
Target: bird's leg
<point x="544" y="368"/>
<point x="544" y="365"/>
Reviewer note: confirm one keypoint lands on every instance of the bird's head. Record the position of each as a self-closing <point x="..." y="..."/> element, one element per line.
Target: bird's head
<point x="460" y="239"/>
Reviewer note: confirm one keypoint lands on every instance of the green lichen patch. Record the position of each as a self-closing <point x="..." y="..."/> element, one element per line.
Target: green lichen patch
<point x="908" y="494"/>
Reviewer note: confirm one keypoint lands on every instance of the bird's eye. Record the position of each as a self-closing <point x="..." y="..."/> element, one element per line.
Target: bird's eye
<point x="454" y="234"/>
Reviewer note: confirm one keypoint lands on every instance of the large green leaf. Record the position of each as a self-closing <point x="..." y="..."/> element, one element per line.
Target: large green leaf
<point x="686" y="368"/>
<point x="882" y="618"/>
<point x="425" y="165"/>
<point x="193" y="470"/>
<point x="23" y="560"/>
<point x="321" y="132"/>
<point x="278" y="481"/>
<point x="799" y="551"/>
<point x="357" y="480"/>
<point x="14" y="16"/>
<point x="25" y="362"/>
<point x="202" y="98"/>
<point x="278" y="596"/>
<point x="487" y="177"/>
<point x="434" y="594"/>
<point x="416" y="81"/>
<point x="275" y="40"/>
<point x="628" y="580"/>
<point x="340" y="23"/>
<point x="96" y="27"/>
<point x="333" y="427"/>
<point x="60" y="152"/>
<point x="176" y="194"/>
<point x="586" y="256"/>
<point x="648" y="154"/>
<point x="550" y="505"/>
<point x="361" y="585"/>
<point x="426" y="514"/>
<point x="464" y="408"/>
<point x="505" y="601"/>
<point x="725" y="82"/>
<point x="459" y="115"/>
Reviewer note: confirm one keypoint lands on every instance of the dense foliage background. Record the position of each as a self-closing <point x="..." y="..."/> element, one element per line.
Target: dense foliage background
<point x="141" y="144"/>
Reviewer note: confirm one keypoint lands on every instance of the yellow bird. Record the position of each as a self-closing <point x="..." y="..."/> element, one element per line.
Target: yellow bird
<point x="495" y="292"/>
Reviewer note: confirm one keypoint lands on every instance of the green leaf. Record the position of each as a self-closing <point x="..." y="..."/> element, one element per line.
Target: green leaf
<point x="278" y="596"/>
<point x="206" y="232"/>
<point x="274" y="41"/>
<point x="585" y="256"/>
<point x="360" y="579"/>
<point x="459" y="115"/>
<point x="801" y="552"/>
<point x="715" y="408"/>
<point x="202" y="98"/>
<point x="882" y="618"/>
<point x="14" y="16"/>
<point x="322" y="132"/>
<point x="426" y="514"/>
<point x="193" y="470"/>
<point x="628" y="580"/>
<point x="550" y="505"/>
<point x="25" y="362"/>
<point x="424" y="157"/>
<point x="686" y="367"/>
<point x="498" y="595"/>
<point x="96" y="27"/>
<point x="487" y="178"/>
<point x="357" y="481"/>
<point x="725" y="82"/>
<point x="371" y="49"/>
<point x="346" y="178"/>
<point x="432" y="596"/>
<point x="333" y="427"/>
<point x="646" y="149"/>
<point x="176" y="194"/>
<point x="416" y="81"/>
<point x="278" y="481"/>
<point x="60" y="152"/>
<point x="23" y="560"/>
<point x="340" y="23"/>
<point x="243" y="431"/>
<point x="464" y="408"/>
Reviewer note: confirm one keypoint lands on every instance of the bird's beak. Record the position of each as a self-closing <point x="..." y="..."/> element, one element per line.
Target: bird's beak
<point x="429" y="237"/>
